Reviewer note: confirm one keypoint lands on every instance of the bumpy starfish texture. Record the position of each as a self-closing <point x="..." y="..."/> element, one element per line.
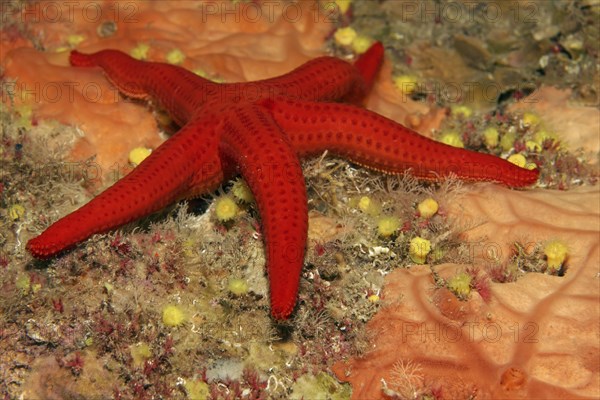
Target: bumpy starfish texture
<point x="259" y="130"/>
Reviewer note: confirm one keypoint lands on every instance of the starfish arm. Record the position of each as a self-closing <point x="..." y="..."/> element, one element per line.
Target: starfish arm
<point x="178" y="90"/>
<point x="269" y="164"/>
<point x="369" y="63"/>
<point x="384" y="145"/>
<point x="181" y="165"/>
<point x="321" y="79"/>
<point x="329" y="78"/>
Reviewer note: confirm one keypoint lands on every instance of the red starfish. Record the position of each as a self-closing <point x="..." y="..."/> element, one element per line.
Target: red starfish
<point x="259" y="129"/>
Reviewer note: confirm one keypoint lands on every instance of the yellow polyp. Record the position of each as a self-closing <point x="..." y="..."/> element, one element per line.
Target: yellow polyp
<point x="343" y="5"/>
<point x="139" y="154"/>
<point x="173" y="315"/>
<point x="428" y="207"/>
<point x="203" y="74"/>
<point x="453" y="139"/>
<point x="541" y="136"/>
<point x="237" y="286"/>
<point x="175" y="57"/>
<point x="532" y="146"/>
<point x="460" y="285"/>
<point x="188" y="247"/>
<point x="25" y="115"/>
<point x="518" y="160"/>
<point x="139" y="352"/>
<point x="225" y="208"/>
<point x="419" y="249"/>
<point x="373" y="298"/>
<point x="16" y="211"/>
<point x="242" y="191"/>
<point x="369" y="206"/>
<point x="387" y="226"/>
<point x="556" y="253"/>
<point x="530" y="119"/>
<point x="364" y="203"/>
<point x="74" y="40"/>
<point x="508" y="141"/>
<point x="462" y="110"/>
<point x="530" y="166"/>
<point x="491" y="137"/>
<point x="140" y="52"/>
<point x="344" y="36"/>
<point x="361" y="44"/>
<point x="109" y="288"/>
<point x="406" y="84"/>
<point x="23" y="282"/>
<point x="197" y="390"/>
